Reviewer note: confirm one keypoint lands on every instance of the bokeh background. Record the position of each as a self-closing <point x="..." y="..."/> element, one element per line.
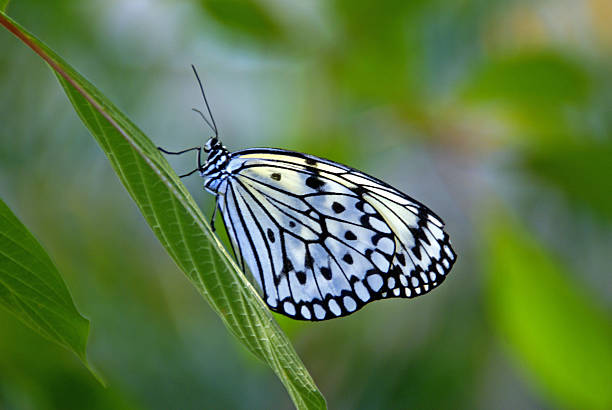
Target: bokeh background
<point x="496" y="114"/>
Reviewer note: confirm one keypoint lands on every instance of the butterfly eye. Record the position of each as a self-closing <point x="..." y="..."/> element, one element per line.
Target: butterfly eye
<point x="212" y="142"/>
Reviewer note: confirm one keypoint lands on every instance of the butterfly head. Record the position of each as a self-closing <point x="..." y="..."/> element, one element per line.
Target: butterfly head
<point x="212" y="144"/>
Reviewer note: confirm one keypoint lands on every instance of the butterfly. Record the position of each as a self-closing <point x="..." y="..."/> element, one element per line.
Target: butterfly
<point x="321" y="239"/>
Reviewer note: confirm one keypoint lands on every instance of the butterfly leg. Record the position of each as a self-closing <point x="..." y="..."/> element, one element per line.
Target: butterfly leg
<point x="199" y="149"/>
<point x="212" y="219"/>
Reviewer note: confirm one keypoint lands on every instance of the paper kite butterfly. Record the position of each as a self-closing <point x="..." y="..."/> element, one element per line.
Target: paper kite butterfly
<point x="320" y="238"/>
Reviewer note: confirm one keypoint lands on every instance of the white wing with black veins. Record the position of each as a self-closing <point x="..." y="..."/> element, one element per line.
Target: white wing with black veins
<point x="322" y="239"/>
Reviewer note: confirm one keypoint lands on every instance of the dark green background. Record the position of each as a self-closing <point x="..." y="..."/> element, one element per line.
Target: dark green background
<point x="496" y="114"/>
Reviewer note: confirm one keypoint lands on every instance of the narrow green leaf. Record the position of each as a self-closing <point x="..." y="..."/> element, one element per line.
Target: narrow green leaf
<point x="180" y="226"/>
<point x="559" y="334"/>
<point x="4" y="5"/>
<point x="33" y="290"/>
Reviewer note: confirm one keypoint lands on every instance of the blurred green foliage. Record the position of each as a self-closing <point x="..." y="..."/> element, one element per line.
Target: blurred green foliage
<point x="580" y="170"/>
<point x="247" y="18"/>
<point x="536" y="87"/>
<point x="467" y="106"/>
<point x="559" y="334"/>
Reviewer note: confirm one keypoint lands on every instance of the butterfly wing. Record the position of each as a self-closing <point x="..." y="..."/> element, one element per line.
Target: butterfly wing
<point x="322" y="239"/>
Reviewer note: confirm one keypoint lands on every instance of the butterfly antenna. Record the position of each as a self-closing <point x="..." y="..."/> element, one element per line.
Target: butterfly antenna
<point x="204" y="118"/>
<point x="214" y="125"/>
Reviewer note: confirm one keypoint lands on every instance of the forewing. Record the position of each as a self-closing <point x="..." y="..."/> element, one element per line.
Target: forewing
<point x="322" y="239"/>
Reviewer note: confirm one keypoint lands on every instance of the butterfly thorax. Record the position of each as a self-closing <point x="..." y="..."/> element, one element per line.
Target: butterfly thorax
<point x="214" y="170"/>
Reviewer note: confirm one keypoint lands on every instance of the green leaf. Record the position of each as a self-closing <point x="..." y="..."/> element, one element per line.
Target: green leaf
<point x="180" y="226"/>
<point x="4" y="5"/>
<point x="581" y="171"/>
<point x="33" y="290"/>
<point x="550" y="324"/>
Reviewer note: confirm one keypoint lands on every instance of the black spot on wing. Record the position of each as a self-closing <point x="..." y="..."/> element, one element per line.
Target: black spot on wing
<point x="419" y="234"/>
<point x="276" y="176"/>
<point x="287" y="266"/>
<point x="311" y="161"/>
<point x="416" y="250"/>
<point x="349" y="236"/>
<point x="301" y="277"/>
<point x="365" y="221"/>
<point x="401" y="259"/>
<point x="271" y="237"/>
<point x="338" y="207"/>
<point x="422" y="214"/>
<point x="308" y="261"/>
<point x="359" y="190"/>
<point x="377" y="237"/>
<point x="326" y="272"/>
<point x="348" y="259"/>
<point x="314" y="182"/>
